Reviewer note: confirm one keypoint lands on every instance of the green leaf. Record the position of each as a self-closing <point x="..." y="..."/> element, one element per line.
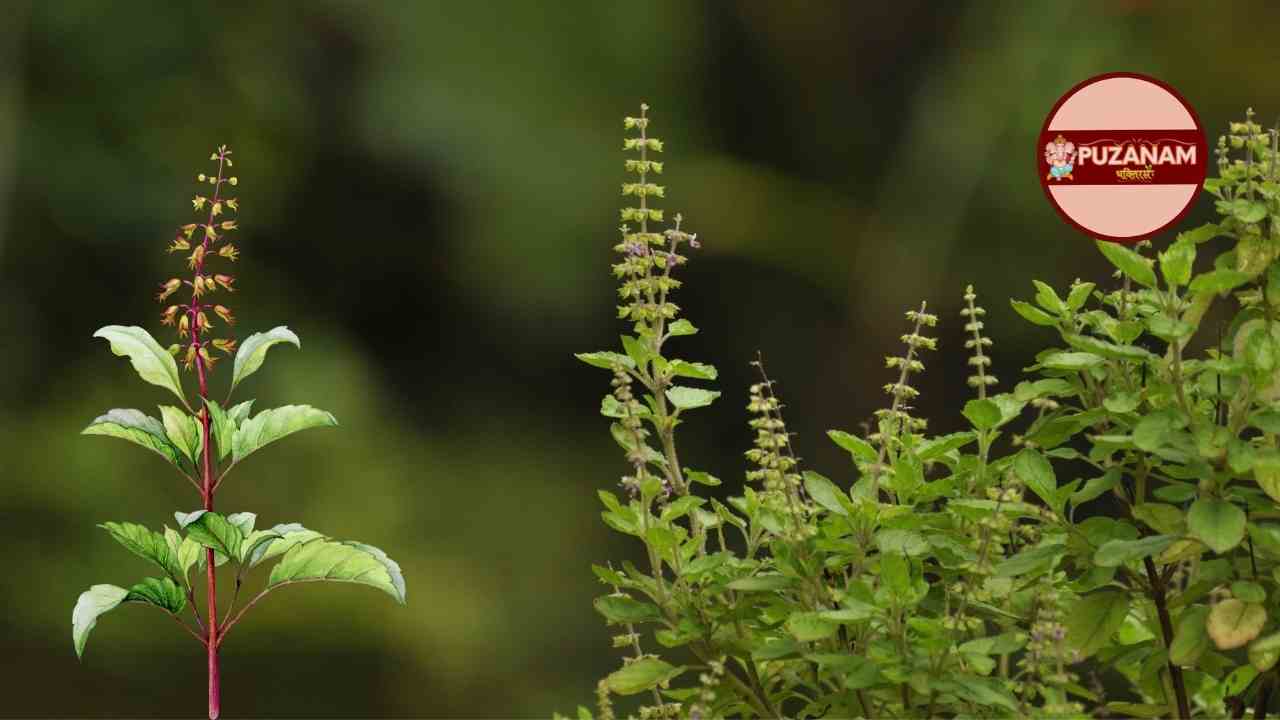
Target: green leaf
<point x="164" y="593"/>
<point x="1164" y="519"/>
<point x="1072" y="361"/>
<point x="825" y="493"/>
<point x="1217" y="523"/>
<point x="936" y="447"/>
<point x="687" y="398"/>
<point x="214" y="532"/>
<point x="702" y="478"/>
<point x="859" y="448"/>
<point x="605" y="359"/>
<point x="641" y="675"/>
<point x="761" y="583"/>
<point x="1047" y="298"/>
<point x="391" y="566"/>
<point x="1176" y="262"/>
<point x="1153" y="431"/>
<point x="1079" y="295"/>
<point x="698" y="371"/>
<point x="1218" y="281"/>
<point x="620" y="609"/>
<point x="187" y="552"/>
<point x="270" y="425"/>
<point x="1095" y="487"/>
<point x="1035" y="558"/>
<point x="1264" y="652"/>
<point x="239" y="412"/>
<point x="243" y="520"/>
<point x="136" y="427"/>
<point x="1119" y="552"/>
<point x="902" y="542"/>
<point x="146" y="544"/>
<point x="1191" y="639"/>
<point x="254" y="350"/>
<point x="1248" y="211"/>
<point x="810" y="627"/>
<point x="1093" y="619"/>
<point x="222" y="427"/>
<point x="1248" y="591"/>
<point x="153" y="363"/>
<point x="984" y="414"/>
<point x="1036" y="472"/>
<point x="337" y="562"/>
<point x="1033" y="314"/>
<point x="681" y="327"/>
<point x="1232" y="623"/>
<point x="290" y="534"/>
<point x="91" y="604"/>
<point x="1128" y="262"/>
<point x="183" y="431"/>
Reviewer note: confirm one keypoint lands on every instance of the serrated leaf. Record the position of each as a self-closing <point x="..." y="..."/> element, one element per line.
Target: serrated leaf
<point x="605" y="359"/>
<point x="254" y="350"/>
<point x="825" y="493"/>
<point x="698" y="371"/>
<point x="1033" y="314"/>
<point x="215" y="532"/>
<point x="1218" y="281"/>
<point x="641" y="675"/>
<point x="153" y="363"/>
<point x="681" y="327"/>
<point x="1036" y="472"/>
<point x="91" y="604"/>
<point x="623" y="609"/>
<point x="164" y="593"/>
<point x="687" y="398"/>
<point x="1232" y="623"/>
<point x="222" y="427"/>
<point x="271" y="425"/>
<point x="291" y="534"/>
<point x="983" y="414"/>
<point x="1093" y="619"/>
<point x="136" y="427"/>
<point x="936" y="447"/>
<point x="1128" y="262"/>
<point x="146" y="544"/>
<point x="859" y="448"/>
<point x="239" y="412"/>
<point x="183" y="431"/>
<point x="336" y="562"/>
<point x="1118" y="552"/>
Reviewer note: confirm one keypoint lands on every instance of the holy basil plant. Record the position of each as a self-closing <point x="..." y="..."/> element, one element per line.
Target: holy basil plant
<point x="204" y="439"/>
<point x="1101" y="539"/>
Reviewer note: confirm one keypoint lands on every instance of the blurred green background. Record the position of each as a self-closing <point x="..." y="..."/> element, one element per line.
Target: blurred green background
<point x="429" y="198"/>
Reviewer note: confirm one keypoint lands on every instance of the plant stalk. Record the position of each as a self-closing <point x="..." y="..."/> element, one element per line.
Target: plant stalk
<point x="1166" y="628"/>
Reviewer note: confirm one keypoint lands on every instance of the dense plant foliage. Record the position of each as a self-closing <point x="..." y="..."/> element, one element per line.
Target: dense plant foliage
<point x="204" y="440"/>
<point x="1102" y="539"/>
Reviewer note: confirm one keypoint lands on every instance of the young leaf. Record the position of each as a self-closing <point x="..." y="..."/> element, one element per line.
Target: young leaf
<point x="153" y="363"/>
<point x="810" y="627"/>
<point x="254" y="350"/>
<point x="860" y="449"/>
<point x="825" y="493"/>
<point x="1217" y="523"/>
<point x="605" y="359"/>
<point x="136" y="427"/>
<point x="239" y="412"/>
<point x="641" y="675"/>
<point x="1218" y="281"/>
<point x="222" y="427"/>
<point x="984" y="414"/>
<point x="92" y="603"/>
<point x="290" y="534"/>
<point x="681" y="327"/>
<point x="1037" y="473"/>
<point x="698" y="371"/>
<point x="146" y="544"/>
<point x="183" y="431"/>
<point x="1072" y="361"/>
<point x="622" y="609"/>
<point x="1119" y="552"/>
<point x="337" y="562"/>
<point x="216" y="533"/>
<point x="1128" y="262"/>
<point x="186" y="551"/>
<point x="1033" y="314"/>
<point x="164" y="593"/>
<point x="687" y="398"/>
<point x="270" y="425"/>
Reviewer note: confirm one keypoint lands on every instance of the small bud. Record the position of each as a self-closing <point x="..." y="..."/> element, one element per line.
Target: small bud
<point x="228" y="224"/>
<point x="225" y="281"/>
<point x="175" y="349"/>
<point x="226" y="345"/>
<point x="233" y="204"/>
<point x="209" y="360"/>
<point x="197" y="257"/>
<point x="202" y="321"/>
<point x="190" y="358"/>
<point x="229" y="252"/>
<point x="198" y="286"/>
<point x="169" y="314"/>
<point x="188" y="229"/>
<point x="200" y="177"/>
<point x="168" y="288"/>
<point x="184" y="325"/>
<point x="198" y="202"/>
<point x="234" y="180"/>
<point x="224" y="312"/>
<point x="179" y="244"/>
<point x="217" y="209"/>
<point x="210" y="234"/>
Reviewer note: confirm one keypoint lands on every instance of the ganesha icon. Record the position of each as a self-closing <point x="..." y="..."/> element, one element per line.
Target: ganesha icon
<point x="1061" y="156"/>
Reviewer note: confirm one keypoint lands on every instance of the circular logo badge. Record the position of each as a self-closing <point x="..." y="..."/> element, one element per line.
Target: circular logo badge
<point x="1121" y="156"/>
